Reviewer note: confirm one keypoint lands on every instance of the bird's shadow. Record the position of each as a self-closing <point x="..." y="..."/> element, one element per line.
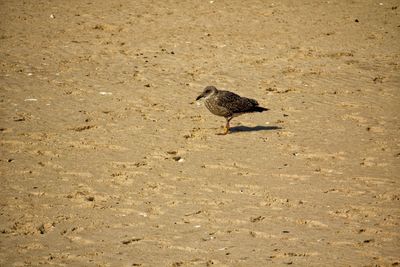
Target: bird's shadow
<point x="237" y="129"/>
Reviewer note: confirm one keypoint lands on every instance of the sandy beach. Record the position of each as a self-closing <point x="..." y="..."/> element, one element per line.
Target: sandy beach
<point x="107" y="159"/>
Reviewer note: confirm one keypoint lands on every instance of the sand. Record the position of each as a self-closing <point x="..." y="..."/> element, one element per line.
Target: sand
<point x="107" y="160"/>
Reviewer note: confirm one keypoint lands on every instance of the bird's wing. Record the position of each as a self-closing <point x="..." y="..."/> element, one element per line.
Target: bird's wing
<point x="234" y="102"/>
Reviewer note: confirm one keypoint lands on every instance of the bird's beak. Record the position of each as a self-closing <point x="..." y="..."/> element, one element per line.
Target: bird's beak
<point x="199" y="97"/>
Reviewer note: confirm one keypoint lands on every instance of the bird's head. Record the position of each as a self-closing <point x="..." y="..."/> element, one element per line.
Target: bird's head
<point x="207" y="92"/>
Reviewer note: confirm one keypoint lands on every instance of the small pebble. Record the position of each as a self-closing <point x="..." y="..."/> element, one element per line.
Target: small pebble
<point x="368" y="240"/>
<point x="177" y="158"/>
<point x="41" y="229"/>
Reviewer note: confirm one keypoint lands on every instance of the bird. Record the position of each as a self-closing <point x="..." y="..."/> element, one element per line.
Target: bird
<point x="228" y="104"/>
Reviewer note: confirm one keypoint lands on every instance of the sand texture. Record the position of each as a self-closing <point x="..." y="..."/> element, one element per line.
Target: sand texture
<point x="107" y="160"/>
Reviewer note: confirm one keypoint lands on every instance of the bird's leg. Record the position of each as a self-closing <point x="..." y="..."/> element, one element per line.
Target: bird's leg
<point x="227" y="127"/>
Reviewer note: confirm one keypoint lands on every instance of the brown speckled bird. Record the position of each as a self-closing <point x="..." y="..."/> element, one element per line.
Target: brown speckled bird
<point x="227" y="104"/>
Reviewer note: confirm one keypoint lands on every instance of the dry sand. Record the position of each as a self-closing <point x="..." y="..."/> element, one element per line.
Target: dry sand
<point x="97" y="108"/>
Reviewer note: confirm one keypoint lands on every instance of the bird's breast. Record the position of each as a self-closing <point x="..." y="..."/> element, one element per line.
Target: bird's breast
<point x="215" y="109"/>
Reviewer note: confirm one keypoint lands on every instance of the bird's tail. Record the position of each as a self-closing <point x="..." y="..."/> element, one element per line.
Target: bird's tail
<point x="259" y="109"/>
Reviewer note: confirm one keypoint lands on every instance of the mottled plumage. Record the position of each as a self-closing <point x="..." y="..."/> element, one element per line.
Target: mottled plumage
<point x="227" y="104"/>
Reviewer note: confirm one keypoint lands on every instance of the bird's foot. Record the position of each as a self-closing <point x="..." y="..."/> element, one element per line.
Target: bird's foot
<point x="226" y="131"/>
